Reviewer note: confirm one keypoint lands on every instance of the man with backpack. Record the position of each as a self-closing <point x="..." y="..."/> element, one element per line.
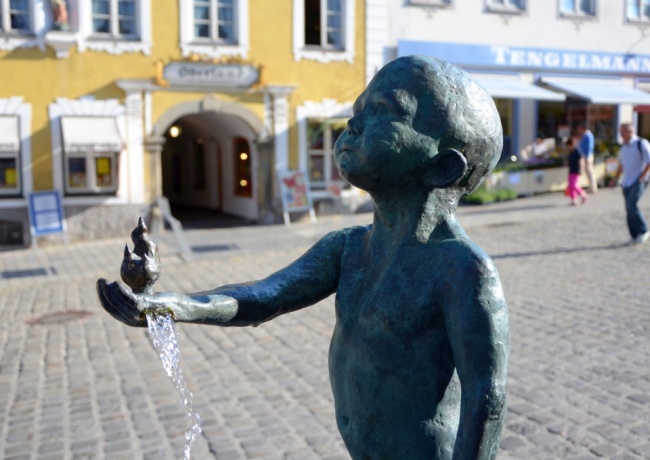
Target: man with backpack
<point x="634" y="165"/>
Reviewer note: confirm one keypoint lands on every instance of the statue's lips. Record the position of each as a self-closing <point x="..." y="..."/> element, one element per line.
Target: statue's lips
<point x="343" y="156"/>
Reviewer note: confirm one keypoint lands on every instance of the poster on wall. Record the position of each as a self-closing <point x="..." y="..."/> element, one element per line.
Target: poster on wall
<point x="294" y="190"/>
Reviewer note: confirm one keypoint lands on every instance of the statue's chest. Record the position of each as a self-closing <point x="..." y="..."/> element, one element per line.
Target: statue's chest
<point x="400" y="295"/>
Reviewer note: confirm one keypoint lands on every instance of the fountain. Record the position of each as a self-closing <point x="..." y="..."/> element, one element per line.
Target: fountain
<point x="140" y="270"/>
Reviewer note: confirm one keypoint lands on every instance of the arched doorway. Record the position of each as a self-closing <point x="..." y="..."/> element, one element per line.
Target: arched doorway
<point x="210" y="162"/>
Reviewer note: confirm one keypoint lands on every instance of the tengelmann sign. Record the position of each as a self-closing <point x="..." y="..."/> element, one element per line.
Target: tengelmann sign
<point x="518" y="57"/>
<point x="212" y="75"/>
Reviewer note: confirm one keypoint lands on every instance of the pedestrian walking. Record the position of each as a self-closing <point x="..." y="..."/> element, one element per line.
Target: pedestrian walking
<point x="576" y="166"/>
<point x="634" y="165"/>
<point x="586" y="149"/>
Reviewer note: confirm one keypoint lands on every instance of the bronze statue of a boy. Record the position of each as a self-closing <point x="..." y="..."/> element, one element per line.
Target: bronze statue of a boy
<point x="418" y="357"/>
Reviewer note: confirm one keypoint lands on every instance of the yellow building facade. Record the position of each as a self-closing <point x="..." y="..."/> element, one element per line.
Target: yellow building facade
<point x="115" y="102"/>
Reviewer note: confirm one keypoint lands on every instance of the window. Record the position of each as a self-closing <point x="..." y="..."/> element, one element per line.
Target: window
<point x="323" y="23"/>
<point x="578" y="7"/>
<point x="199" y="165"/>
<point x="506" y="6"/>
<point x="114" y="18"/>
<point x="15" y="16"/>
<point x="323" y="30"/>
<point x="9" y="156"/>
<point x="321" y="136"/>
<point x="243" y="170"/>
<point x="90" y="172"/>
<point x="90" y="149"/>
<point x="430" y="2"/>
<point x="214" y="20"/>
<point x="638" y="10"/>
<point x="115" y="26"/>
<point x="214" y="28"/>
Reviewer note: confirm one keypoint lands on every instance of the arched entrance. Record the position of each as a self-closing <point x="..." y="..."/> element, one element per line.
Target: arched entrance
<point x="209" y="159"/>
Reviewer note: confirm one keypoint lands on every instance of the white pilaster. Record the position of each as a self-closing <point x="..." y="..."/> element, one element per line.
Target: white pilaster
<point x="280" y="100"/>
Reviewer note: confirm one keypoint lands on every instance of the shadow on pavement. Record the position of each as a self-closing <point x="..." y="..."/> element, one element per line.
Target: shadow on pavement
<point x="550" y="252"/>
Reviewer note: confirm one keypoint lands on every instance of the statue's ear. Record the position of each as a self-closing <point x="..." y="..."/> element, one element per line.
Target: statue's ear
<point x="445" y="169"/>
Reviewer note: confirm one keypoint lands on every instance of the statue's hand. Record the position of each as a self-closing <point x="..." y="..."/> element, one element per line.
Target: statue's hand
<point x="130" y="308"/>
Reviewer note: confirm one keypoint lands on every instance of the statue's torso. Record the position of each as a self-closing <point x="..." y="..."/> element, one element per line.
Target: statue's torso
<point x="390" y="359"/>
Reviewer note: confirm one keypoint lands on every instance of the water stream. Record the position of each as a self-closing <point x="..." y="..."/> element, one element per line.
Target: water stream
<point x="165" y="341"/>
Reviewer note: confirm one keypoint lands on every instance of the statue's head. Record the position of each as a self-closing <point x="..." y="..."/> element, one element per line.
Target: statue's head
<point x="422" y="117"/>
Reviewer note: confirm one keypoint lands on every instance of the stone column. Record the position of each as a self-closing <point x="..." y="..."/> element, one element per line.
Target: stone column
<point x="277" y="110"/>
<point x="153" y="146"/>
<point x="280" y="113"/>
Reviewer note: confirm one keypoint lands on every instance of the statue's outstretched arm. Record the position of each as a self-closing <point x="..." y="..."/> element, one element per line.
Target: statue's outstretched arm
<point x="304" y="282"/>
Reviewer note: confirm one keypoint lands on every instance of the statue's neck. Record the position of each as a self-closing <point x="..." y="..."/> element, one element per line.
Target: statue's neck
<point x="403" y="219"/>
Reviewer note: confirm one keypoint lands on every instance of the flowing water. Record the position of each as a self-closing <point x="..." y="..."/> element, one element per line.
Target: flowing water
<point x="165" y="341"/>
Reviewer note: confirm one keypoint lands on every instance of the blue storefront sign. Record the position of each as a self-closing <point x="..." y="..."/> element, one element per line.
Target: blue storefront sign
<point x="520" y="57"/>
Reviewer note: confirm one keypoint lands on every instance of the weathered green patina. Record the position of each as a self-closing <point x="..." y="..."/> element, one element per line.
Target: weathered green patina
<point x="418" y="357"/>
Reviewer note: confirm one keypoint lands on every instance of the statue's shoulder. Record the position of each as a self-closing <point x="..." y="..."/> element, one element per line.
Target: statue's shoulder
<point x="345" y="238"/>
<point x="465" y="256"/>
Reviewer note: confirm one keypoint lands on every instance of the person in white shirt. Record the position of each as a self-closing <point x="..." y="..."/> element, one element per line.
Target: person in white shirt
<point x="634" y="165"/>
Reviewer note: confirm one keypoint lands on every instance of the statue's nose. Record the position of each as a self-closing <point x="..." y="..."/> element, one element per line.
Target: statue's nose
<point x="355" y="125"/>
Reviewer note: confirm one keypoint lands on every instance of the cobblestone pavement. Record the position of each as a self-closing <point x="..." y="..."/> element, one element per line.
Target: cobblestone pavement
<point x="75" y="384"/>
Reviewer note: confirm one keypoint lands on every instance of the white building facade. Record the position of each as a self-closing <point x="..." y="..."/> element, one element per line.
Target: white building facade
<point x="549" y="64"/>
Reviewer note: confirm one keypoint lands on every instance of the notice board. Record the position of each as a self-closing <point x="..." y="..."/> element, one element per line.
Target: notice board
<point x="46" y="213"/>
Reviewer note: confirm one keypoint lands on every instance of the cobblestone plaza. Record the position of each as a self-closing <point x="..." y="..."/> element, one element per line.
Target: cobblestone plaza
<point x="76" y="384"/>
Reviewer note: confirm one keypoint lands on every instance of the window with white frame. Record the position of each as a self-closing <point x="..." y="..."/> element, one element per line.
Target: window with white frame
<point x="321" y="136"/>
<point x="578" y="7"/>
<point x="214" y="21"/>
<point x="9" y="156"/>
<point x="323" y="30"/>
<point x="638" y="10"/>
<point x="91" y="173"/>
<point x="90" y="150"/>
<point x="214" y="27"/>
<point x="15" y="17"/>
<point x="507" y="6"/>
<point x="115" y="26"/>
<point x="323" y="23"/>
<point x="430" y="2"/>
<point x="116" y="19"/>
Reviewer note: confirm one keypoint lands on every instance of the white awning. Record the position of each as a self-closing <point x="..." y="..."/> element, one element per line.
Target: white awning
<point x="90" y="134"/>
<point x="9" y="139"/>
<point x="514" y="89"/>
<point x="599" y="92"/>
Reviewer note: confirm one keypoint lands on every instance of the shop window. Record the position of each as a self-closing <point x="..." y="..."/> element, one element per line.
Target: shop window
<point x="199" y="165"/>
<point x="90" y="173"/>
<point x="15" y="16"/>
<point x="578" y="7"/>
<point x="214" y="27"/>
<point x="504" y="107"/>
<point x="9" y="156"/>
<point x="90" y="149"/>
<point x="323" y="30"/>
<point x="321" y="136"/>
<point x="243" y="168"/>
<point x="638" y="10"/>
<point x="506" y="6"/>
